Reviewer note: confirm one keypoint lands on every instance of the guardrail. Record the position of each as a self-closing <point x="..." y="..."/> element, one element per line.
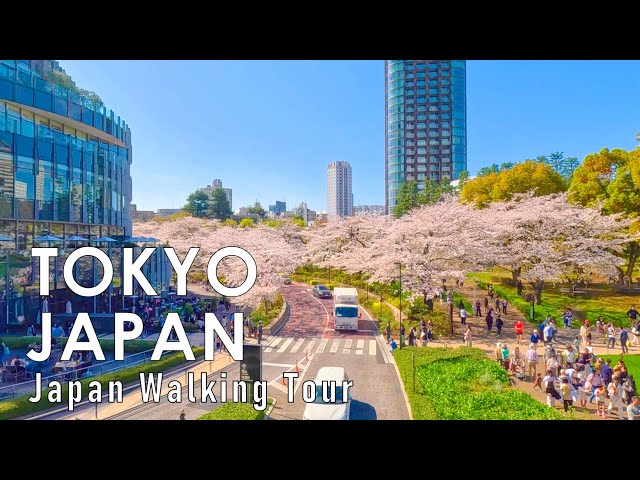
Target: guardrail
<point x="11" y="391"/>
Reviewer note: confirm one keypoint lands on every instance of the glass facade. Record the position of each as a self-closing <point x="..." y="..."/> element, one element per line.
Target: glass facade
<point x="426" y="123"/>
<point x="64" y="170"/>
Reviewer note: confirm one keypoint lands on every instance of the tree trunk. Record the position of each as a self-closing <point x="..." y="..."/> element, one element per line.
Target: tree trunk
<point x="538" y="287"/>
<point x="515" y="274"/>
<point x="620" y="275"/>
<point x="634" y="251"/>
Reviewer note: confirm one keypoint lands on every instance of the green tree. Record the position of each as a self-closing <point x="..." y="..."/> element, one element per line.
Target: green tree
<point x="521" y="178"/>
<point x="565" y="166"/>
<point x="407" y="198"/>
<point x="462" y="179"/>
<point x="611" y="179"/>
<point x="219" y="205"/>
<point x="299" y="221"/>
<point x="197" y="204"/>
<point x="484" y="171"/>
<point x="257" y="211"/>
<point x="229" y="222"/>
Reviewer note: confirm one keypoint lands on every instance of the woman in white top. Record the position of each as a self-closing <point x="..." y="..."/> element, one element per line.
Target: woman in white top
<point x="615" y="398"/>
<point x="584" y="330"/>
<point x="552" y="364"/>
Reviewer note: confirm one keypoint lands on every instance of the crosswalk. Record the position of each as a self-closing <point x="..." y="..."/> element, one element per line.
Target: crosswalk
<point x="340" y="346"/>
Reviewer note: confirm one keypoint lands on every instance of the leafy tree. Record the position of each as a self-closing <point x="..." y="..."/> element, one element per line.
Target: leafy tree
<point x="246" y="222"/>
<point x="484" y="171"/>
<point x="410" y="196"/>
<point x="219" y="205"/>
<point x="611" y="179"/>
<point x="229" y="222"/>
<point x="521" y="178"/>
<point x="257" y="211"/>
<point x="299" y="221"/>
<point x="557" y="161"/>
<point x="507" y="166"/>
<point x="197" y="204"/>
<point x="407" y="198"/>
<point x="462" y="179"/>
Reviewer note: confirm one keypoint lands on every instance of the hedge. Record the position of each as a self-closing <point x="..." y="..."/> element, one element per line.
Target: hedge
<point x="236" y="411"/>
<point x="463" y="384"/>
<point x="21" y="406"/>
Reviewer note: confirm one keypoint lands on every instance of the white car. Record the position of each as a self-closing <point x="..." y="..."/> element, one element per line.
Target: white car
<point x="338" y="410"/>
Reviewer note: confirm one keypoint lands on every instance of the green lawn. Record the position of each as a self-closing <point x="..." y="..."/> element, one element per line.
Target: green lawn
<point x="236" y="411"/>
<point x="602" y="299"/>
<point x="631" y="361"/>
<point x="463" y="384"/>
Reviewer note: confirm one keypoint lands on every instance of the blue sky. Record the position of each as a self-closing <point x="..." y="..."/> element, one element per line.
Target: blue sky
<point x="268" y="129"/>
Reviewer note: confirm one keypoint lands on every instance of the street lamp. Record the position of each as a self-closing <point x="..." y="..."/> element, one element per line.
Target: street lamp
<point x="401" y="335"/>
<point x="6" y="276"/>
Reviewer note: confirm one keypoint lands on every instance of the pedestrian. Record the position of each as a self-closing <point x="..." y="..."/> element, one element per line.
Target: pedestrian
<point x="504" y="306"/>
<point x="460" y="304"/>
<point x="430" y="330"/>
<point x="633" y="409"/>
<point x="387" y="332"/>
<point x="611" y="336"/>
<point x="565" y="391"/>
<point x="68" y="308"/>
<point x="594" y="380"/>
<point x="567" y="318"/>
<point x="601" y="397"/>
<point x="424" y="337"/>
<point x="260" y="331"/>
<point x="615" y="397"/>
<point x="402" y="335"/>
<point x="498" y="353"/>
<point x="623" y="336"/>
<point x="548" y="334"/>
<point x="505" y="356"/>
<point x="535" y="338"/>
<point x="468" y="337"/>
<point x="517" y="360"/>
<point x="552" y="365"/>
<point x="463" y="316"/>
<point x="538" y="382"/>
<point x="549" y="382"/>
<point x="489" y="320"/>
<point x="531" y="358"/>
<point x="486" y="303"/>
<point x="412" y="337"/>
<point x="632" y="313"/>
<point x="392" y="344"/>
<point x="499" y="324"/>
<point x="519" y="327"/>
<point x="183" y="416"/>
<point x="478" y="309"/>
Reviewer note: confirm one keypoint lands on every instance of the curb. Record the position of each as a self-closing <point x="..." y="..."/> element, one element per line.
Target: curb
<point x="267" y="415"/>
<point x="276" y="326"/>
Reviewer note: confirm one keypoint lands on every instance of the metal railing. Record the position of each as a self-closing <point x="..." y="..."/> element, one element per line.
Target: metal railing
<point x="11" y="391"/>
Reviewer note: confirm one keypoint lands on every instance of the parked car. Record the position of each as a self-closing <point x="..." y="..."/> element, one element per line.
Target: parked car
<point x="287" y="280"/>
<point x="321" y="291"/>
<point x="335" y="410"/>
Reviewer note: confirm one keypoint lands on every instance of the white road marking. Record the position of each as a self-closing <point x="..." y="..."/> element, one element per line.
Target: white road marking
<point x="297" y="345"/>
<point x="372" y="347"/>
<point x="323" y="344"/>
<point x="275" y="342"/>
<point x="360" y="344"/>
<point x="309" y="347"/>
<point x="346" y="351"/>
<point x="347" y="343"/>
<point x="279" y="386"/>
<point x="285" y="345"/>
<point x="334" y="346"/>
<point x="359" y="352"/>
<point x="284" y="365"/>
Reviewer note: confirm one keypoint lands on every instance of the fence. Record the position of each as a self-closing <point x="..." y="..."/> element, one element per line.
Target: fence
<point x="22" y="388"/>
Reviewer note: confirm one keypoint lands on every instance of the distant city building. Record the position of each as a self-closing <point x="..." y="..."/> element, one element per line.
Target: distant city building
<point x="278" y="208"/>
<point x="141" y="215"/>
<point x="426" y="123"/>
<point x="165" y="212"/>
<point x="217" y="183"/>
<point x="369" y="209"/>
<point x="339" y="193"/>
<point x="305" y="213"/>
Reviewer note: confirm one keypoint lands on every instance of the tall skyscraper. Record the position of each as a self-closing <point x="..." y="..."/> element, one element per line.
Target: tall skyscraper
<point x="339" y="194"/>
<point x="426" y="123"/>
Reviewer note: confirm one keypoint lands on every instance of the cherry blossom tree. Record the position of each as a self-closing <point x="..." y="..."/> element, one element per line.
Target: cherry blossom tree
<point x="547" y="239"/>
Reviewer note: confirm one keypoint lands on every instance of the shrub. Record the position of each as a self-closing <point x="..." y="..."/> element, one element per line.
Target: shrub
<point x="236" y="411"/>
<point x="463" y="384"/>
<point x="187" y="310"/>
<point x="107" y="344"/>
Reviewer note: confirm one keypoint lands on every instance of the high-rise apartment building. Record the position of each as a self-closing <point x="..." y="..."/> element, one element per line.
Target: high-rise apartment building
<point x="426" y="123"/>
<point x="217" y="183"/>
<point x="279" y="208"/>
<point x="339" y="193"/>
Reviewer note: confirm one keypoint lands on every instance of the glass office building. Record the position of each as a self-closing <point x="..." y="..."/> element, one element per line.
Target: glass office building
<point x="425" y="122"/>
<point x="64" y="171"/>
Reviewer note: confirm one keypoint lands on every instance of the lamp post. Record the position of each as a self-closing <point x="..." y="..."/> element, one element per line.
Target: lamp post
<point x="6" y="278"/>
<point x="401" y="335"/>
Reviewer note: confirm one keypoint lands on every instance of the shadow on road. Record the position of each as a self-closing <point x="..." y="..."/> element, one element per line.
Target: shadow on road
<point x="362" y="411"/>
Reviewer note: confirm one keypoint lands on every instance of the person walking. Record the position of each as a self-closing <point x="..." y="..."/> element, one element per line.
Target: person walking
<point x="260" y="331"/>
<point x="498" y="353"/>
<point x="468" y="337"/>
<point x="565" y="391"/>
<point x="632" y="313"/>
<point x="387" y="332"/>
<point x="486" y="303"/>
<point x="549" y="382"/>
<point x="601" y="397"/>
<point x="505" y="356"/>
<point x="623" y="336"/>
<point x="504" y="306"/>
<point x="489" y="320"/>
<point x="412" y="337"/>
<point x="584" y="330"/>
<point x="499" y="324"/>
<point x="424" y="337"/>
<point x="531" y="358"/>
<point x="519" y="327"/>
<point x="615" y="397"/>
<point x="594" y="380"/>
<point x="478" y="309"/>
<point x="535" y="338"/>
<point x="463" y="316"/>
<point x="611" y="336"/>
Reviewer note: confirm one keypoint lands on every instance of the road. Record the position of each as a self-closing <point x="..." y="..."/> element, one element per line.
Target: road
<point x="310" y="340"/>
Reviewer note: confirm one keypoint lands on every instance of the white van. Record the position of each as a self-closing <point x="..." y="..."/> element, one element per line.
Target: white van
<point x="338" y="410"/>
